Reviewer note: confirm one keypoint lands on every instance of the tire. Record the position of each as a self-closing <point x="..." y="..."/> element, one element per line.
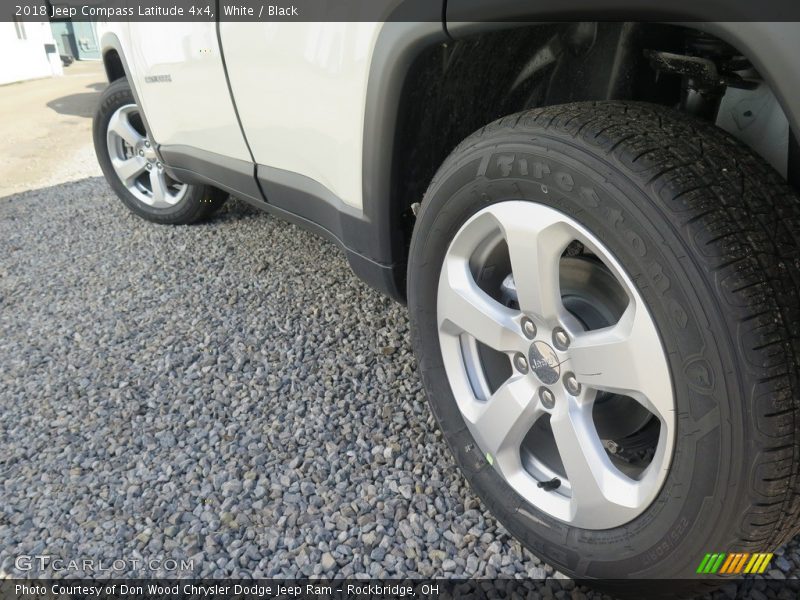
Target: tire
<point x="177" y="204"/>
<point x="708" y="234"/>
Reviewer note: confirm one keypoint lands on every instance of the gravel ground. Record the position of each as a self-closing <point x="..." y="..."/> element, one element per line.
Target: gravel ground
<point x="227" y="392"/>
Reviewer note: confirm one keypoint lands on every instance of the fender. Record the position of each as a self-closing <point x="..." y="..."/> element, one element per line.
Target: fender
<point x="110" y="42"/>
<point x="398" y="44"/>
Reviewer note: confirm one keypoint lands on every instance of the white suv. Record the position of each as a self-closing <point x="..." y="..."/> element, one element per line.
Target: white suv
<point x="595" y="227"/>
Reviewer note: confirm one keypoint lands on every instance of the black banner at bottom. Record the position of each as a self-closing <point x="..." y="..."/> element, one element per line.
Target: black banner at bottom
<point x="345" y="589"/>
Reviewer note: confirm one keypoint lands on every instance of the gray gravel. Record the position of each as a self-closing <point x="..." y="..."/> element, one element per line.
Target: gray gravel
<point x="228" y="393"/>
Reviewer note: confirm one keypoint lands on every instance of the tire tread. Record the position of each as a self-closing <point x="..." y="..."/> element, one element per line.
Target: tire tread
<point x="744" y="221"/>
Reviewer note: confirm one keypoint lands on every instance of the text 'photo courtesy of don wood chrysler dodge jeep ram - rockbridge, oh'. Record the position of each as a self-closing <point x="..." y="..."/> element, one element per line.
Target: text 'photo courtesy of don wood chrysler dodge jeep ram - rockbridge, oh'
<point x="594" y="225"/>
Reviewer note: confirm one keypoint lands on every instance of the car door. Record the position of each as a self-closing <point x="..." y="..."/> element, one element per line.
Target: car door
<point x="300" y="89"/>
<point x="179" y="75"/>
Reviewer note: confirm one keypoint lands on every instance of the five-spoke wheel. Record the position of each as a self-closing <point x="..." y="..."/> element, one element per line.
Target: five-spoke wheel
<point x="556" y="364"/>
<point x="135" y="161"/>
<point x="132" y="165"/>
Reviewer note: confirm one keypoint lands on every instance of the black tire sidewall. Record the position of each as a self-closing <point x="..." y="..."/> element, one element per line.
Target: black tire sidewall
<point x="628" y="221"/>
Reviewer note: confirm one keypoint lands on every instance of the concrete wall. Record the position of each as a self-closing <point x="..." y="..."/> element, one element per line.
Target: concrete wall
<point x="22" y="59"/>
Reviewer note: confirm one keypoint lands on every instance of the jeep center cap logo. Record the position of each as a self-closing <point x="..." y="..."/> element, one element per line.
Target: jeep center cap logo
<point x="544" y="362"/>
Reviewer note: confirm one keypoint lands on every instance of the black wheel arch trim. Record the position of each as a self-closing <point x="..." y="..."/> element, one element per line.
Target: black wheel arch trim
<point x="396" y="47"/>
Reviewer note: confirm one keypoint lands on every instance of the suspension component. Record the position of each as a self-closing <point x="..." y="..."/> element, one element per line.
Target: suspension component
<point x="708" y="68"/>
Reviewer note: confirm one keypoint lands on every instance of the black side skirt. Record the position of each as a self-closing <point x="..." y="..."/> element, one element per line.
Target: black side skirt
<point x="300" y="200"/>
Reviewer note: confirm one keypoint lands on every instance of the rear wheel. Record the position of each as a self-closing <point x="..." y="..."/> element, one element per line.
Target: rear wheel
<point x="131" y="166"/>
<point x="604" y="305"/>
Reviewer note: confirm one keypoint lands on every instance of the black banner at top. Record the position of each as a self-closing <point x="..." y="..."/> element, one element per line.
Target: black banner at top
<point x="400" y="10"/>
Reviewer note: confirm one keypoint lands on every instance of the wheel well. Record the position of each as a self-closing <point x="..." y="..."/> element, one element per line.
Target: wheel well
<point x="113" y="65"/>
<point x="454" y="88"/>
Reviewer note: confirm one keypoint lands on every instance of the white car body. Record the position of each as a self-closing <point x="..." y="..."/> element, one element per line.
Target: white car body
<point x="301" y="103"/>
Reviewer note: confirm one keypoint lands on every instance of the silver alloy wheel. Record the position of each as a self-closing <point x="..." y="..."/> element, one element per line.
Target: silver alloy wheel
<point x="136" y="164"/>
<point x="565" y="378"/>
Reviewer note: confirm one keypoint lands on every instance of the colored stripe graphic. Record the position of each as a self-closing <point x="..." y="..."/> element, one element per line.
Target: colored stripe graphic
<point x="740" y="563"/>
<point x="718" y="564"/>
<point x="727" y="564"/>
<point x="765" y="562"/>
<point x="703" y="564"/>
<point x="711" y="563"/>
<point x="735" y="563"/>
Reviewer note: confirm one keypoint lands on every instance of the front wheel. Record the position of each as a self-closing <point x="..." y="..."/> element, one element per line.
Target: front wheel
<point x="604" y="305"/>
<point x="130" y="164"/>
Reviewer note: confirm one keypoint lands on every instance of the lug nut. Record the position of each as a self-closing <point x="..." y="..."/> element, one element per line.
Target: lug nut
<point x="147" y="143"/>
<point x="149" y="166"/>
<point x="158" y="164"/>
<point x="560" y="339"/>
<point x="141" y="152"/>
<point x="572" y="384"/>
<point x="547" y="397"/>
<point x="520" y="362"/>
<point x="528" y="328"/>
